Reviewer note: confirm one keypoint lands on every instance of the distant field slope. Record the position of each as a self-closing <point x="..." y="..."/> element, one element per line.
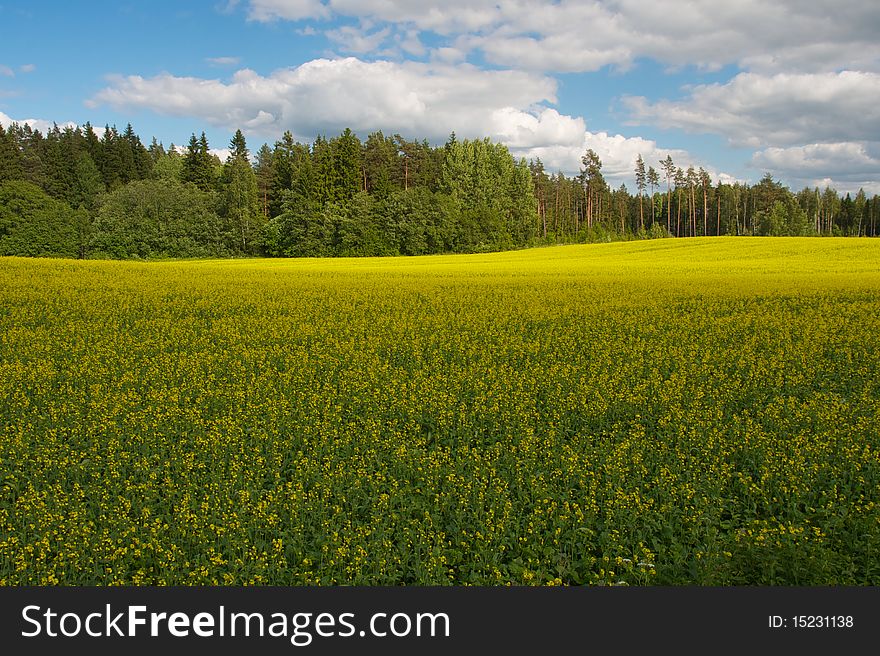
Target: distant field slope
<point x="701" y="411"/>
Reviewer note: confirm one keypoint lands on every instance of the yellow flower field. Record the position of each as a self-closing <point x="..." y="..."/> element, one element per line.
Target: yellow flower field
<point x="702" y="411"/>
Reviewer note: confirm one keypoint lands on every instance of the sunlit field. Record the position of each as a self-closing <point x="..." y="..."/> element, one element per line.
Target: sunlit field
<point x="702" y="411"/>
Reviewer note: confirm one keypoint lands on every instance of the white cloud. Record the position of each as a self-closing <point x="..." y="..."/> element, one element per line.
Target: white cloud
<point x="424" y="100"/>
<point x="6" y="71"/>
<point x="556" y="53"/>
<point x="442" y="18"/>
<point x="222" y="153"/>
<point x="847" y="166"/>
<point x="358" y="40"/>
<point x="583" y="35"/>
<point x="34" y="123"/>
<point x="27" y="68"/>
<point x="810" y="70"/>
<point x="523" y="130"/>
<point x="268" y="10"/>
<point x="223" y="61"/>
<point x="618" y="154"/>
<point x="452" y="16"/>
<point x="418" y="100"/>
<point x="411" y="44"/>
<point x="779" y="110"/>
<point x="448" y="55"/>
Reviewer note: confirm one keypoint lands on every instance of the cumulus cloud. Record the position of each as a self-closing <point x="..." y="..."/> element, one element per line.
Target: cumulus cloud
<point x="6" y="71"/>
<point x="221" y="153"/>
<point x="618" y="154"/>
<point x="578" y="35"/>
<point x="777" y="110"/>
<point x="327" y="95"/>
<point x="419" y="100"/>
<point x="519" y="129"/>
<point x="846" y="166"/>
<point x="34" y="123"/>
<point x="810" y="72"/>
<point x="27" y="68"/>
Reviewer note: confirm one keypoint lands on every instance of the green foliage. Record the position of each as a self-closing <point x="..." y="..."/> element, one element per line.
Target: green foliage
<point x="496" y="195"/>
<point x="241" y="203"/>
<point x="36" y="225"/>
<point x="420" y="222"/>
<point x="159" y="219"/>
<point x="198" y="164"/>
<point x="87" y="183"/>
<point x="362" y="230"/>
<point x="392" y="195"/>
<point x="784" y="218"/>
<point x="10" y="157"/>
<point x="381" y="165"/>
<point x="168" y="166"/>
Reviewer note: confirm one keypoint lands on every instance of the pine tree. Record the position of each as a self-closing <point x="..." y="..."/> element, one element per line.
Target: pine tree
<point x="705" y="185"/>
<point x="668" y="167"/>
<point x="691" y="178"/>
<point x="680" y="179"/>
<point x="641" y="184"/>
<point x="593" y="182"/>
<point x="653" y="182"/>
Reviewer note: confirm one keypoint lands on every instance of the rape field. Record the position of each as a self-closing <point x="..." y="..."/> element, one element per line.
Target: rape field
<point x="702" y="411"/>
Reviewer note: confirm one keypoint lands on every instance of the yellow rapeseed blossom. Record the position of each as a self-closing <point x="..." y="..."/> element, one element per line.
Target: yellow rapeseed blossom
<point x="662" y="412"/>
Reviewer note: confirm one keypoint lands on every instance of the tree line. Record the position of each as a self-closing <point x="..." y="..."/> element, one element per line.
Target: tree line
<point x="72" y="193"/>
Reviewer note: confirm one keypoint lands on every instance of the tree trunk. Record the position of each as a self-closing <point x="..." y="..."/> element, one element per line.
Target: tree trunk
<point x="678" y="216"/>
<point x="544" y="214"/>
<point x="641" y="213"/>
<point x="705" y="213"/>
<point x="556" y="214"/>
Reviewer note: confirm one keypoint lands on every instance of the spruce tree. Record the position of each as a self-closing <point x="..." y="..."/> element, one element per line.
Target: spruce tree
<point x="197" y="163"/>
<point x="58" y="176"/>
<point x="87" y="183"/>
<point x="238" y="148"/>
<point x="264" y="170"/>
<point x="111" y="164"/>
<point x="10" y="157"/>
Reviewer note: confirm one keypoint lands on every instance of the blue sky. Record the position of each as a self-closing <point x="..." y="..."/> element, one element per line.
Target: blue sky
<point x="781" y="86"/>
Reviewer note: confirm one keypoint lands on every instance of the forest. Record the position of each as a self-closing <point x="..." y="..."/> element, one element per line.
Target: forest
<point x="72" y="193"/>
